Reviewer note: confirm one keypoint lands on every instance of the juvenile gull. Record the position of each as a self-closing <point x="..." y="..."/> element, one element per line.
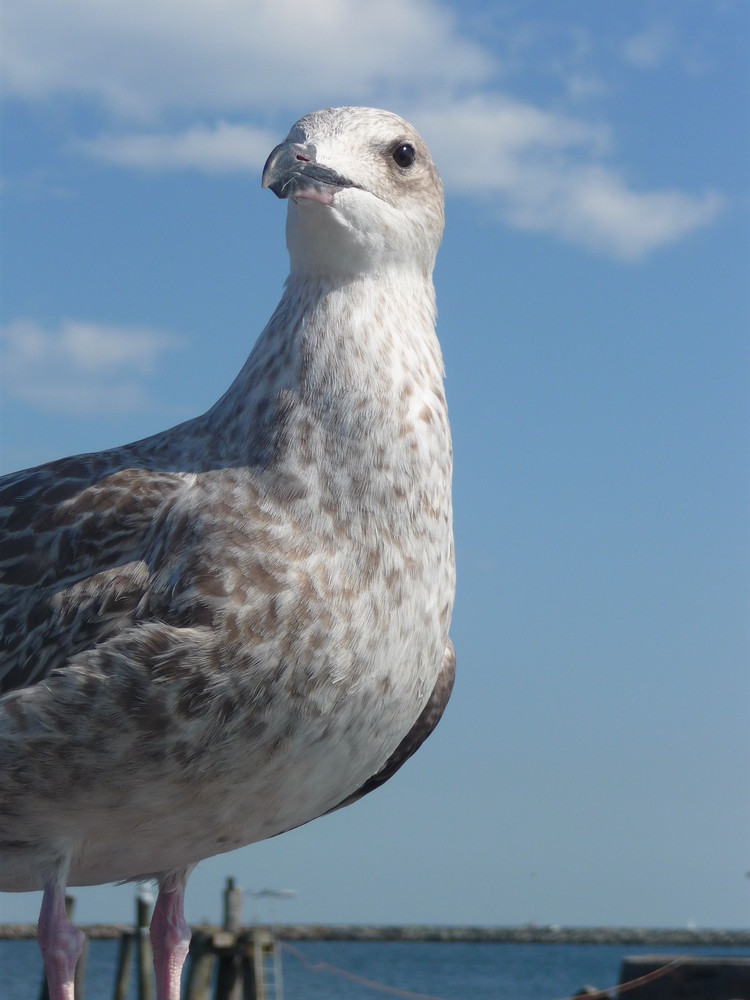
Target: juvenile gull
<point x="220" y="632"/>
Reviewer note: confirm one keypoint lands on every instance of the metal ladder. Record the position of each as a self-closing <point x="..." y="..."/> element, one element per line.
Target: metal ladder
<point x="267" y="964"/>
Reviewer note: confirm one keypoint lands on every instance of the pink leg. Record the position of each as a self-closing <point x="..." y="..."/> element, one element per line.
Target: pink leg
<point x="60" y="942"/>
<point x="170" y="936"/>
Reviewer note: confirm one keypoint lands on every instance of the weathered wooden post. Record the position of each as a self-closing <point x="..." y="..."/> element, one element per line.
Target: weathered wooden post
<point x="232" y="906"/>
<point x="229" y="979"/>
<point x="144" y="961"/>
<point x="200" y="966"/>
<point x="124" y="958"/>
<point x="80" y="967"/>
<point x="248" y="972"/>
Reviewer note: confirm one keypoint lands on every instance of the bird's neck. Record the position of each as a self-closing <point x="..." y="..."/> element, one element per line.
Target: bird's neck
<point x="348" y="350"/>
<point x="372" y="337"/>
<point x="342" y="399"/>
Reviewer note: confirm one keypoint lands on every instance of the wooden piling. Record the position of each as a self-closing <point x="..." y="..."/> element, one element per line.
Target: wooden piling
<point x="249" y="960"/>
<point x="249" y="991"/>
<point x="143" y="956"/>
<point x="80" y="973"/>
<point x="200" y="966"/>
<point x="232" y="906"/>
<point x="124" y="962"/>
<point x="229" y="978"/>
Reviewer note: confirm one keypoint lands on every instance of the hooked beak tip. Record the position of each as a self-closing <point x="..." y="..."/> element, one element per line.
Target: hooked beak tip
<point x="292" y="171"/>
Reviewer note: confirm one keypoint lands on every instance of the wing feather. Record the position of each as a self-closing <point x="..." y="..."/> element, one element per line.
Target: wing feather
<point x="430" y="716"/>
<point x="75" y="537"/>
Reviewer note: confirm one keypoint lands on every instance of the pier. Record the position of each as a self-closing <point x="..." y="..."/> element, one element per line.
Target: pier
<point x="237" y="961"/>
<point x="227" y="963"/>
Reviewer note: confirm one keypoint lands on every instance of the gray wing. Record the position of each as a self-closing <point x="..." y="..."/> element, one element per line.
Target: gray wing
<point x="430" y="716"/>
<point x="73" y="537"/>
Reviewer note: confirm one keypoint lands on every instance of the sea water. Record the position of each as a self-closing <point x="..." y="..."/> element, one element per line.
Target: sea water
<point x="344" y="970"/>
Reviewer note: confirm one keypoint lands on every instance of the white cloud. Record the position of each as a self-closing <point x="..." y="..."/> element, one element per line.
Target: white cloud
<point x="53" y="369"/>
<point x="592" y="205"/>
<point x="649" y="48"/>
<point x="547" y="172"/>
<point x="239" y="71"/>
<point x="480" y="142"/>
<point x="662" y="43"/>
<point x="220" y="148"/>
<point x="145" y="57"/>
<point x="585" y="86"/>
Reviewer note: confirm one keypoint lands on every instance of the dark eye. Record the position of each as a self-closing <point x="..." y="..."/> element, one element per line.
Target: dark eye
<point x="404" y="155"/>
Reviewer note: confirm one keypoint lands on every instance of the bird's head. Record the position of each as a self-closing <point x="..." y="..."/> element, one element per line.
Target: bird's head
<point x="364" y="194"/>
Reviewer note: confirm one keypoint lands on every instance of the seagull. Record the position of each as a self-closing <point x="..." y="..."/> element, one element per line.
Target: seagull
<point x="223" y="631"/>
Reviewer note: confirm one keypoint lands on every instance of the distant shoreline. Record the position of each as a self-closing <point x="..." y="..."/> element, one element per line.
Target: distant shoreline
<point x="526" y="934"/>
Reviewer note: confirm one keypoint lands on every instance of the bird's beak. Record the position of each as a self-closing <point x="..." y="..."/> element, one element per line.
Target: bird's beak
<point x="292" y="171"/>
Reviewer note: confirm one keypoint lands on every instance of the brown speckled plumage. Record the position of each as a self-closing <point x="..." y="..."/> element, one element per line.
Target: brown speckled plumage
<point x="222" y="631"/>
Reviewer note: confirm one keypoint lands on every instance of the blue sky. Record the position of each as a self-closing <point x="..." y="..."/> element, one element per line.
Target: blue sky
<point x="592" y="286"/>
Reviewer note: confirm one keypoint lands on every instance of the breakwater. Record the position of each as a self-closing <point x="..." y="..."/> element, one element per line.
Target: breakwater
<point x="523" y="934"/>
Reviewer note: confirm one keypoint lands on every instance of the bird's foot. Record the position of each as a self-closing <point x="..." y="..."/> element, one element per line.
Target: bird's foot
<point x="60" y="942"/>
<point x="170" y="940"/>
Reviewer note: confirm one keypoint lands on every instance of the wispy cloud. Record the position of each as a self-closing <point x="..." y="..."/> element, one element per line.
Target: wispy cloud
<point x="149" y="56"/>
<point x="649" y="48"/>
<point x="219" y="148"/>
<point x="543" y="171"/>
<point x="232" y="73"/>
<point x="593" y="206"/>
<point x="546" y="172"/>
<point x="53" y="369"/>
<point x="660" y="44"/>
